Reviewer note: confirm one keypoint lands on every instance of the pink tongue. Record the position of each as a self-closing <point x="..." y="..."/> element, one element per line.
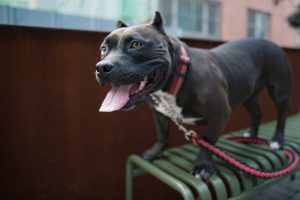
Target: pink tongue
<point x="116" y="98"/>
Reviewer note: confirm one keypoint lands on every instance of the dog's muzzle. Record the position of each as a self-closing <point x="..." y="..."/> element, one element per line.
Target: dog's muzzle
<point x="104" y="69"/>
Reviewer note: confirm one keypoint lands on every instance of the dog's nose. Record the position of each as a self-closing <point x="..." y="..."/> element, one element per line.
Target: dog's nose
<point x="103" y="67"/>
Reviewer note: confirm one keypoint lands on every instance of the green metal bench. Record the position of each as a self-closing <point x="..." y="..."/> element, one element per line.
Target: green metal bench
<point x="228" y="183"/>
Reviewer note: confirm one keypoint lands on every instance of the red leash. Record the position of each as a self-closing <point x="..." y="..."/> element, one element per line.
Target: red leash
<point x="293" y="157"/>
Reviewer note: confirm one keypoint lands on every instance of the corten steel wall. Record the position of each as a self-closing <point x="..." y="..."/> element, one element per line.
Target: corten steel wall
<point x="54" y="144"/>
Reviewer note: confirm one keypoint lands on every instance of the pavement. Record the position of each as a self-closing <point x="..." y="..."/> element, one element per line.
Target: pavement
<point x="286" y="189"/>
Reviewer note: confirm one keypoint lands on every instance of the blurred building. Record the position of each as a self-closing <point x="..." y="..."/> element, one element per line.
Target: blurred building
<point x="229" y="20"/>
<point x="257" y="18"/>
<point x="206" y="19"/>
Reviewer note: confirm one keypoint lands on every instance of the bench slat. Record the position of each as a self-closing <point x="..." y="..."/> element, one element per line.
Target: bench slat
<point x="272" y="158"/>
<point x="247" y="181"/>
<point x="197" y="184"/>
<point x="227" y="176"/>
<point x="260" y="160"/>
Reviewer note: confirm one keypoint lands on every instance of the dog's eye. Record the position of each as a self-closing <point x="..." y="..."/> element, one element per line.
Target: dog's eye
<point x="135" y="45"/>
<point x="103" y="50"/>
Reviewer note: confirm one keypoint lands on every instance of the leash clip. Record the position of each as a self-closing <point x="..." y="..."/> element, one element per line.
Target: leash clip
<point x="189" y="134"/>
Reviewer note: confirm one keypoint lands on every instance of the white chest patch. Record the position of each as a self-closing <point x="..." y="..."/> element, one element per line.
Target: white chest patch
<point x="166" y="104"/>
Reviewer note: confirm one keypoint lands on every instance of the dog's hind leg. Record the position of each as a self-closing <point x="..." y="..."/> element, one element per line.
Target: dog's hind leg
<point x="282" y="98"/>
<point x="162" y="124"/>
<point x="255" y="112"/>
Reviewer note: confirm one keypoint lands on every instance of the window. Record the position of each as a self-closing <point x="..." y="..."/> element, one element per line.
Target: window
<point x="192" y="18"/>
<point x="67" y="14"/>
<point x="258" y="24"/>
<point x="167" y="7"/>
<point x="213" y="18"/>
<point x="99" y="15"/>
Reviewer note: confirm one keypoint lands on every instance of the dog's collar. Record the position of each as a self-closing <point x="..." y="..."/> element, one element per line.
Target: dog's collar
<point x="179" y="74"/>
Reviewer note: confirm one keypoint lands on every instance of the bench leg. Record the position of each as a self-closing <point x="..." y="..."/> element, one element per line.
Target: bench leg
<point x="129" y="180"/>
<point x="174" y="183"/>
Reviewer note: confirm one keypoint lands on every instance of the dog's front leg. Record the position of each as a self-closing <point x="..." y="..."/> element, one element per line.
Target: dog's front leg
<point x="204" y="166"/>
<point x="162" y="124"/>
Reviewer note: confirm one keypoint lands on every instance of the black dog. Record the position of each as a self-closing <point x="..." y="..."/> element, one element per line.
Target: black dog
<point x="143" y="62"/>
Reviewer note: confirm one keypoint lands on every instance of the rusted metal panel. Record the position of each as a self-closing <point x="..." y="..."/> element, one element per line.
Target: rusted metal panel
<point x="54" y="143"/>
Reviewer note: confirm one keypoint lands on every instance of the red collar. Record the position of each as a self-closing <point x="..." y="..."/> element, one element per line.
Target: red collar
<point x="180" y="73"/>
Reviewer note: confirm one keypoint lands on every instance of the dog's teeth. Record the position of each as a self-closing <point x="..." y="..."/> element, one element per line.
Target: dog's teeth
<point x="143" y="84"/>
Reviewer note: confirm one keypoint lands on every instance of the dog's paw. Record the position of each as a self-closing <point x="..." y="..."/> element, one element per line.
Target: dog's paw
<point x="150" y="155"/>
<point x="203" y="171"/>
<point x="274" y="145"/>
<point x="246" y="134"/>
<point x="154" y="152"/>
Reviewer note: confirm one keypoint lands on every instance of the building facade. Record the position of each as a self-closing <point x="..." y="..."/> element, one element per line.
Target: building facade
<point x="259" y="19"/>
<point x="206" y="19"/>
<point x="232" y="19"/>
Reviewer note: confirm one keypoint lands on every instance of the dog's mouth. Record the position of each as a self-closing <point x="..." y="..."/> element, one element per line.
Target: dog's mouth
<point x="127" y="96"/>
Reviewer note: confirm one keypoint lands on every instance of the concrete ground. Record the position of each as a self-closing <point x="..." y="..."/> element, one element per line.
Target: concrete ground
<point x="286" y="189"/>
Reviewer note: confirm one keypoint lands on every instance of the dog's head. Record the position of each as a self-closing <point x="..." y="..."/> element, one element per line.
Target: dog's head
<point x="135" y="61"/>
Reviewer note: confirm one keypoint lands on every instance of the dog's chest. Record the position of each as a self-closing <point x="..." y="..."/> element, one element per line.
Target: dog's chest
<point x="165" y="104"/>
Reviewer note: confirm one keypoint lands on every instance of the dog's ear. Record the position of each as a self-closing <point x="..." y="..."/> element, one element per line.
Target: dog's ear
<point x="120" y="24"/>
<point x="158" y="19"/>
<point x="158" y="22"/>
